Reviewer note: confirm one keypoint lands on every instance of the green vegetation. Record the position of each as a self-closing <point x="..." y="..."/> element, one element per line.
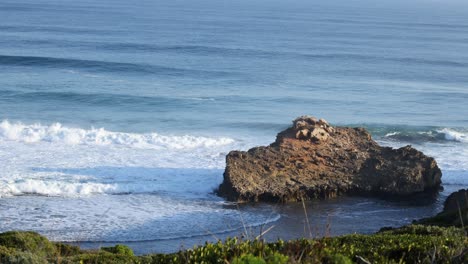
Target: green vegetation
<point x="119" y="250"/>
<point x="28" y="242"/>
<point x="459" y="219"/>
<point x="410" y="244"/>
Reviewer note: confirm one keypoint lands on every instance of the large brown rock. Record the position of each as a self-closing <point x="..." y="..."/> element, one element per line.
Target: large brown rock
<point x="312" y="159"/>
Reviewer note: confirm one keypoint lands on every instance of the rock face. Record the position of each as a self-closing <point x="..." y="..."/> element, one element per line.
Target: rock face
<point x="456" y="201"/>
<point x="312" y="159"/>
<point x="455" y="212"/>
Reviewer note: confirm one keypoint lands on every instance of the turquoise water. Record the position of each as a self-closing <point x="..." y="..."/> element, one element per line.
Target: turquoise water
<point x="123" y="111"/>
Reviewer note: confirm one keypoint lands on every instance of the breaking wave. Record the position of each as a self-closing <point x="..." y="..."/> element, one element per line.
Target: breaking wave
<point x="99" y="136"/>
<point x="453" y="135"/>
<point x="444" y="134"/>
<point x="55" y="188"/>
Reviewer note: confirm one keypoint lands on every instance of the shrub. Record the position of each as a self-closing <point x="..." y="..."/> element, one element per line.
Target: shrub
<point x="277" y="258"/>
<point x="29" y="242"/>
<point x="338" y="259"/>
<point x="65" y="250"/>
<point x="11" y="255"/>
<point x="101" y="257"/>
<point x="119" y="249"/>
<point x="248" y="259"/>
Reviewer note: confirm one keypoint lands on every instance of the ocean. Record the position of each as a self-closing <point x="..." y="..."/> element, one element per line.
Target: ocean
<point x="116" y="116"/>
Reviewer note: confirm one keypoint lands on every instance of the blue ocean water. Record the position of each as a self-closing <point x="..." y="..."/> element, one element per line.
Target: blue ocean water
<point x="116" y="115"/>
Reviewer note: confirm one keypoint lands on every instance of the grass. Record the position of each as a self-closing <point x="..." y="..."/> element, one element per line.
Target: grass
<point x="411" y="244"/>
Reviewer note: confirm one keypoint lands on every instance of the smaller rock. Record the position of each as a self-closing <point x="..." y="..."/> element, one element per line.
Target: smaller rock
<point x="306" y="120"/>
<point x="303" y="134"/>
<point x="300" y="124"/>
<point x="455" y="211"/>
<point x="330" y="129"/>
<point x="457" y="200"/>
<point x="319" y="134"/>
<point x="323" y="122"/>
<point x="311" y="128"/>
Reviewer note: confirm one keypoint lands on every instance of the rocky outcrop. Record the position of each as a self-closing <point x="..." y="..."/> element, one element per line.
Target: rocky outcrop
<point x="456" y="201"/>
<point x="313" y="159"/>
<point x="455" y="212"/>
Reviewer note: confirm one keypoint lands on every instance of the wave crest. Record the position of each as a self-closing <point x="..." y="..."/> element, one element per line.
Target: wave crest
<point x="99" y="136"/>
<point x="55" y="188"/>
<point x="453" y="135"/>
<point x="444" y="134"/>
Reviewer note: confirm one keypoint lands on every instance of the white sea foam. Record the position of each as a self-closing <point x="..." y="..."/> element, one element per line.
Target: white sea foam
<point x="128" y="218"/>
<point x="453" y="135"/>
<point x="84" y="182"/>
<point x="93" y="185"/>
<point x="99" y="136"/>
<point x="57" y="160"/>
<point x="392" y="134"/>
<point x="447" y="134"/>
<point x="55" y="188"/>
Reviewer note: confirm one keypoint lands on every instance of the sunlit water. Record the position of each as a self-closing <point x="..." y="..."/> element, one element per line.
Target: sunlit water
<point x="115" y="117"/>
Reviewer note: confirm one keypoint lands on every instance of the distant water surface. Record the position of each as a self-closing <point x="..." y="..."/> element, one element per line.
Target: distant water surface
<point x="116" y="116"/>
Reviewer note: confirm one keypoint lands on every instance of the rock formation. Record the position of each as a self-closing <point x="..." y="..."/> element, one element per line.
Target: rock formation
<point x="312" y="159"/>
<point x="455" y="212"/>
<point x="456" y="201"/>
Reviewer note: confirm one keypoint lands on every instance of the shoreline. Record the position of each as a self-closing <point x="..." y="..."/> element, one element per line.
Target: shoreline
<point x="340" y="214"/>
<point x="441" y="237"/>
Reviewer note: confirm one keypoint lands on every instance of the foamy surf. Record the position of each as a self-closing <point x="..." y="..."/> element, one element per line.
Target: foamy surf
<point x="75" y="184"/>
<point x="58" y="133"/>
<point x="60" y="181"/>
<point x="443" y="134"/>
<point x="128" y="218"/>
<point x="54" y="188"/>
<point x="85" y="182"/>
<point x="453" y="135"/>
<point x="56" y="160"/>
